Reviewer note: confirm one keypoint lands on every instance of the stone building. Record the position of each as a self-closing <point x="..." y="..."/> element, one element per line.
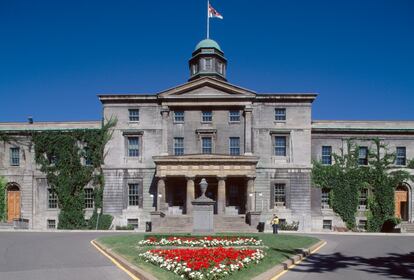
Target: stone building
<point x="254" y="149"/>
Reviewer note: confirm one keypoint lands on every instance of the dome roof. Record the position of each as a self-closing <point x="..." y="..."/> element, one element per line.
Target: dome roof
<point x="208" y="43"/>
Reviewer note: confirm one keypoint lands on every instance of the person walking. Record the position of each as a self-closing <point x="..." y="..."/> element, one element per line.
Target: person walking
<point x="275" y="224"/>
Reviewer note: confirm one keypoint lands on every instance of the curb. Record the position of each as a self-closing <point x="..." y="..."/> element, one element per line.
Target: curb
<point x="133" y="271"/>
<point x="278" y="270"/>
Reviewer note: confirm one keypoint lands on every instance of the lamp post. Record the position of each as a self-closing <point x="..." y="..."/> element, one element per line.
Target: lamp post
<point x="98" y="211"/>
<point x="255" y="199"/>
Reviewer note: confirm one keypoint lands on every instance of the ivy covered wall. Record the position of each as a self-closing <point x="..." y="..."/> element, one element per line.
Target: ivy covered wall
<point x="71" y="160"/>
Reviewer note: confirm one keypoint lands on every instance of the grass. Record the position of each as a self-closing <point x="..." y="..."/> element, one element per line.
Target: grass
<point x="280" y="248"/>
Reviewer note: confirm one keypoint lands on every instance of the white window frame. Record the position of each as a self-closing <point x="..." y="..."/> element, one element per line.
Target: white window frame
<point x="280" y="117"/>
<point x="179" y="146"/>
<point x="133" y="117"/>
<point x="211" y="146"/>
<point x="14" y="156"/>
<point x="233" y="148"/>
<point x="401" y="160"/>
<point x="134" y="195"/>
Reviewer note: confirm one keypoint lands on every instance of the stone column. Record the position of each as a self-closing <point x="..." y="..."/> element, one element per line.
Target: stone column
<point x="190" y="195"/>
<point x="164" y="138"/>
<point x="221" y="195"/>
<point x="248" y="130"/>
<point x="161" y="206"/>
<point x="250" y="192"/>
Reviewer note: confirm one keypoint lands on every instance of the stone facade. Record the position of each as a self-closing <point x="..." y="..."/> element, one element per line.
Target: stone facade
<point x="255" y="150"/>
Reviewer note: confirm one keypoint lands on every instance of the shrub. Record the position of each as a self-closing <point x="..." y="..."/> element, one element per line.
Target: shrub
<point x="128" y="227"/>
<point x="105" y="221"/>
<point x="294" y="226"/>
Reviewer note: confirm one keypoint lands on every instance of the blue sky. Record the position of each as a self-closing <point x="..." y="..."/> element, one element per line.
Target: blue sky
<point x="56" y="56"/>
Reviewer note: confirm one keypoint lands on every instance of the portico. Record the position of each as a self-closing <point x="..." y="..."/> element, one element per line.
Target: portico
<point x="230" y="179"/>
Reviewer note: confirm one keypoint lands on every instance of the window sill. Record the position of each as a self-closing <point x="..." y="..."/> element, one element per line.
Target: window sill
<point x="234" y="122"/>
<point x="133" y="122"/>
<point x="178" y="122"/>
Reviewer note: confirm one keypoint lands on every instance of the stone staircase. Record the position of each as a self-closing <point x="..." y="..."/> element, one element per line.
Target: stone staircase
<point x="407" y="227"/>
<point x="182" y="224"/>
<point x="234" y="223"/>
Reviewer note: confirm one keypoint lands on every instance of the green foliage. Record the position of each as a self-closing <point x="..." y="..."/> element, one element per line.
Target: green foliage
<point x="128" y="227"/>
<point x="61" y="156"/>
<point x="383" y="178"/>
<point x="3" y="198"/>
<point x="294" y="226"/>
<point x="105" y="221"/>
<point x="345" y="177"/>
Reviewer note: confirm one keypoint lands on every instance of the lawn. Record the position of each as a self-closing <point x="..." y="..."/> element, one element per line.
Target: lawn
<point x="280" y="248"/>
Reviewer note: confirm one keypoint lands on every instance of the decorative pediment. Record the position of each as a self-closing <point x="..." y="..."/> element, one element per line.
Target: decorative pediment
<point x="206" y="88"/>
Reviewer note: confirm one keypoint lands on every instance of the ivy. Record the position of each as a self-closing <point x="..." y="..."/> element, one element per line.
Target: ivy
<point x="346" y="178"/>
<point x="3" y="198"/>
<point x="62" y="156"/>
<point x="383" y="178"/>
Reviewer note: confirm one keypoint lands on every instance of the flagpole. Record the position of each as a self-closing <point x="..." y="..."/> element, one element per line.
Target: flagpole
<point x="208" y="19"/>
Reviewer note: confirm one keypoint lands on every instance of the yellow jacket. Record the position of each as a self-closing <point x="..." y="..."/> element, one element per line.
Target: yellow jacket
<point x="275" y="221"/>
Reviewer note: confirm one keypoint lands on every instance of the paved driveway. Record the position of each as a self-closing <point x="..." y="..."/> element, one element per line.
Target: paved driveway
<point x="44" y="256"/>
<point x="358" y="257"/>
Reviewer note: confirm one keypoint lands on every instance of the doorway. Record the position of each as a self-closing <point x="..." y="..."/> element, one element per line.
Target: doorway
<point x="13" y="202"/>
<point x="401" y="202"/>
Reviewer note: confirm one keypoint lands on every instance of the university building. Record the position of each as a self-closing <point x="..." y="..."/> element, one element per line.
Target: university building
<point x="254" y="149"/>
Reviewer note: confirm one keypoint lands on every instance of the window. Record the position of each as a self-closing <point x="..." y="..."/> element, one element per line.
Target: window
<point x="195" y="68"/>
<point x="362" y="225"/>
<point x="207" y="116"/>
<point x="133" y="222"/>
<point x="220" y="68"/>
<point x="400" y="156"/>
<point x="363" y="156"/>
<point x="88" y="198"/>
<point x="280" y="146"/>
<point x="133" y="115"/>
<point x="133" y="194"/>
<point x="208" y="63"/>
<point x="51" y="224"/>
<point x="52" y="199"/>
<point x="234" y="115"/>
<point x="280" y="114"/>
<point x="325" y="199"/>
<point x="14" y="156"/>
<point x="234" y="146"/>
<point x="363" y="199"/>
<point x="280" y="195"/>
<point x="88" y="158"/>
<point x="327" y="155"/>
<point x="178" y="146"/>
<point x="206" y="145"/>
<point x="179" y="116"/>
<point x="327" y="224"/>
<point x="133" y="146"/>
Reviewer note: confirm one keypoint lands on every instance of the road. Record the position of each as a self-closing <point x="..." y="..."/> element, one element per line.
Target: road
<point x="47" y="256"/>
<point x="68" y="256"/>
<point x="346" y="257"/>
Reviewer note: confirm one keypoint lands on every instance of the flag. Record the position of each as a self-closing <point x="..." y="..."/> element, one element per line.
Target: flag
<point x="212" y="13"/>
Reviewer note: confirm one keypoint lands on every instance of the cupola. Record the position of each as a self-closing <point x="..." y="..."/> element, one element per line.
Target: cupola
<point x="208" y="60"/>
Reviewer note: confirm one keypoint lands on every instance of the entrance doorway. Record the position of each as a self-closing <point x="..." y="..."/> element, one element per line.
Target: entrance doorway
<point x="13" y="202"/>
<point x="401" y="202"/>
<point x="176" y="195"/>
<point x="235" y="196"/>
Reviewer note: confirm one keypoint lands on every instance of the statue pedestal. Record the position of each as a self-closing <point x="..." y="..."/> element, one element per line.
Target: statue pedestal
<point x="203" y="211"/>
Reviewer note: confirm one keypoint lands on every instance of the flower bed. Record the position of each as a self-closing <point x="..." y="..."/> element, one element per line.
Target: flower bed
<point x="203" y="263"/>
<point x="207" y="241"/>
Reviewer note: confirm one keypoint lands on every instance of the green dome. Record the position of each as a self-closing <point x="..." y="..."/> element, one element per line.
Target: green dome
<point x="207" y="43"/>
